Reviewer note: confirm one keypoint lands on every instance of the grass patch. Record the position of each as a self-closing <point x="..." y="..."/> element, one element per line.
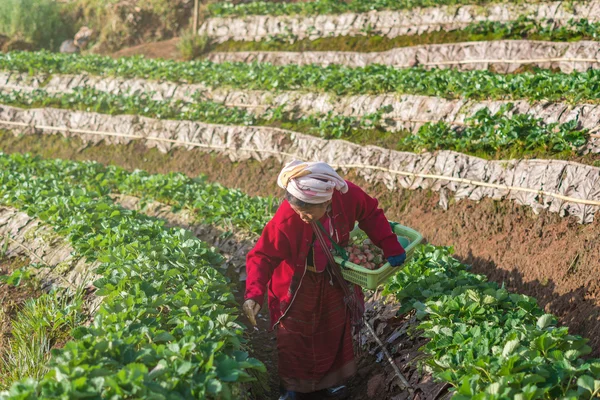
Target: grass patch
<point x="192" y="46"/>
<point x="41" y="325"/>
<point x="39" y="22"/>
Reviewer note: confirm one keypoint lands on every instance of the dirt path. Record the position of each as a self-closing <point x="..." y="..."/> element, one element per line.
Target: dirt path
<point x="166" y="49"/>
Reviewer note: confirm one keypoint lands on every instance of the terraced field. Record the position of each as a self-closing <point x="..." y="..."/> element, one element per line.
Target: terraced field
<point x="474" y="122"/>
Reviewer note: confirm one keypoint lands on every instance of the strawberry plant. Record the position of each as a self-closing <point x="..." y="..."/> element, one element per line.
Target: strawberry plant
<point x="485" y="135"/>
<point x="493" y="133"/>
<point x="166" y="328"/>
<point x="328" y="125"/>
<point x="319" y="7"/>
<point x="372" y="79"/>
<point x="213" y="203"/>
<point x="486" y="342"/>
<point x="521" y="28"/>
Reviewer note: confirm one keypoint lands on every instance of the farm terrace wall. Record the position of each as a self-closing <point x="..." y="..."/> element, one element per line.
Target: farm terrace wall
<point x="445" y="171"/>
<point x="409" y="111"/>
<point x="543" y="255"/>
<point x="389" y="23"/>
<point x="504" y="56"/>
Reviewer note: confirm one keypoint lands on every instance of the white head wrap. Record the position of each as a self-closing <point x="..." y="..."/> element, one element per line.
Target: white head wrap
<point x="311" y="182"/>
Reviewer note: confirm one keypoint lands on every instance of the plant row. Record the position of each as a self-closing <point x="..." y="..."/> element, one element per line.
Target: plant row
<point x="166" y="328"/>
<point x="489" y="343"/>
<point x="213" y="203"/>
<point x="486" y="342"/>
<point x="521" y="29"/>
<point x="372" y="79"/>
<point x="319" y="7"/>
<point x="487" y="134"/>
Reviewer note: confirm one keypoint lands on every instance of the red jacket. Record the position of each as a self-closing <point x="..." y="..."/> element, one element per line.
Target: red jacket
<point x="279" y="257"/>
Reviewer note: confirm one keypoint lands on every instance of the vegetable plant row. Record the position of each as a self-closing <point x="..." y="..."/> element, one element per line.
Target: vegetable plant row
<point x="485" y="342"/>
<point x="447" y="83"/>
<point x="166" y="328"/>
<point x="520" y="29"/>
<point x="319" y="7"/>
<point x="486" y="134"/>
<point x="213" y="203"/>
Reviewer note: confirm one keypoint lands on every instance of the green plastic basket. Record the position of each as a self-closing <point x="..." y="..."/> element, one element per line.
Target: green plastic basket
<point x="370" y="279"/>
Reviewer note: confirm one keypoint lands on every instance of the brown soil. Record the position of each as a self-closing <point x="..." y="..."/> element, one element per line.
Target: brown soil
<point x="166" y="49"/>
<point x="553" y="259"/>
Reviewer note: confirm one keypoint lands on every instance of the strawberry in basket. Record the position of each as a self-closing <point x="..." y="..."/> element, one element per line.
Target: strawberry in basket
<point x="365" y="253"/>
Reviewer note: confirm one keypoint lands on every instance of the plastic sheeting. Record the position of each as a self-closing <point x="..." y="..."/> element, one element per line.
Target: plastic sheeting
<point x="391" y="23"/>
<point x="408" y="111"/>
<point x="373" y="163"/>
<point x="502" y="56"/>
<point x="28" y="235"/>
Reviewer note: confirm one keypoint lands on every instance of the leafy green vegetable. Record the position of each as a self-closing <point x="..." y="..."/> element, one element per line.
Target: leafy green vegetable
<point x="166" y="328"/>
<point x="318" y="7"/>
<point x="522" y="28"/>
<point x="486" y="342"/>
<point x="486" y="134"/>
<point x="213" y="203"/>
<point x="447" y="83"/>
<point x="493" y="133"/>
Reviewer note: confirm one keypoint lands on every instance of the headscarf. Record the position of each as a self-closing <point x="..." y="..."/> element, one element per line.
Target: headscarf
<point x="311" y="182"/>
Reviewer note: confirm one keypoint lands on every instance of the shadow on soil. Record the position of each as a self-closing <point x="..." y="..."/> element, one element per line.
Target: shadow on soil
<point x="575" y="308"/>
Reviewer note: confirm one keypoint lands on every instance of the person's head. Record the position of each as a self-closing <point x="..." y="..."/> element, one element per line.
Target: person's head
<point x="306" y="211"/>
<point x="309" y="187"/>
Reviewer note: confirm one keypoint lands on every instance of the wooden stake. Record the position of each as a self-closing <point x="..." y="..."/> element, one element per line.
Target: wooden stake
<point x="196" y="10"/>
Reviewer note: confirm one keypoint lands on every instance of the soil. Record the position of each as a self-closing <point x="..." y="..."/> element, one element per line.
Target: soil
<point x="545" y="256"/>
<point x="166" y="49"/>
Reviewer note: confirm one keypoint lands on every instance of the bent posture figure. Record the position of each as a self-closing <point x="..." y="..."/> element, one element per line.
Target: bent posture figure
<point x="312" y="308"/>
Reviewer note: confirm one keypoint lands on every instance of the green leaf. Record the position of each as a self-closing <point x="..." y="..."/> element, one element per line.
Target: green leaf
<point x="545" y="320"/>
<point x="510" y="347"/>
<point x="163" y="337"/>
<point x="184" y="368"/>
<point x="589" y="384"/>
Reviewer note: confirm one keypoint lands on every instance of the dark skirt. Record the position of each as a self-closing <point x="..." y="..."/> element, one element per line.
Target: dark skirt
<point x="314" y="339"/>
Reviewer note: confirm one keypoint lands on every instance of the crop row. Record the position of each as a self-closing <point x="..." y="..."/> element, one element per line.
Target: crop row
<point x="486" y="342"/>
<point x="542" y="85"/>
<point x="522" y="28"/>
<point x="319" y="7"/>
<point x="166" y="328"/>
<point x="489" y="343"/>
<point x="486" y="134"/>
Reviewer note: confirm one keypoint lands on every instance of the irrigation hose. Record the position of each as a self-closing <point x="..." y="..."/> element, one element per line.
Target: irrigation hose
<point x="342" y="166"/>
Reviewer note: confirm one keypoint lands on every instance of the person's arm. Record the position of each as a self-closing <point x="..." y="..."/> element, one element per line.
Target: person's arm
<point x="373" y="222"/>
<point x="261" y="261"/>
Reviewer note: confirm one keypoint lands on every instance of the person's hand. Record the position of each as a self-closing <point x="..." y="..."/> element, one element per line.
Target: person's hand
<point x="396" y="261"/>
<point x="251" y="309"/>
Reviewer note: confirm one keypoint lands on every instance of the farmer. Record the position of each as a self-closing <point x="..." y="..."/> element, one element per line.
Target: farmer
<point x="312" y="308"/>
